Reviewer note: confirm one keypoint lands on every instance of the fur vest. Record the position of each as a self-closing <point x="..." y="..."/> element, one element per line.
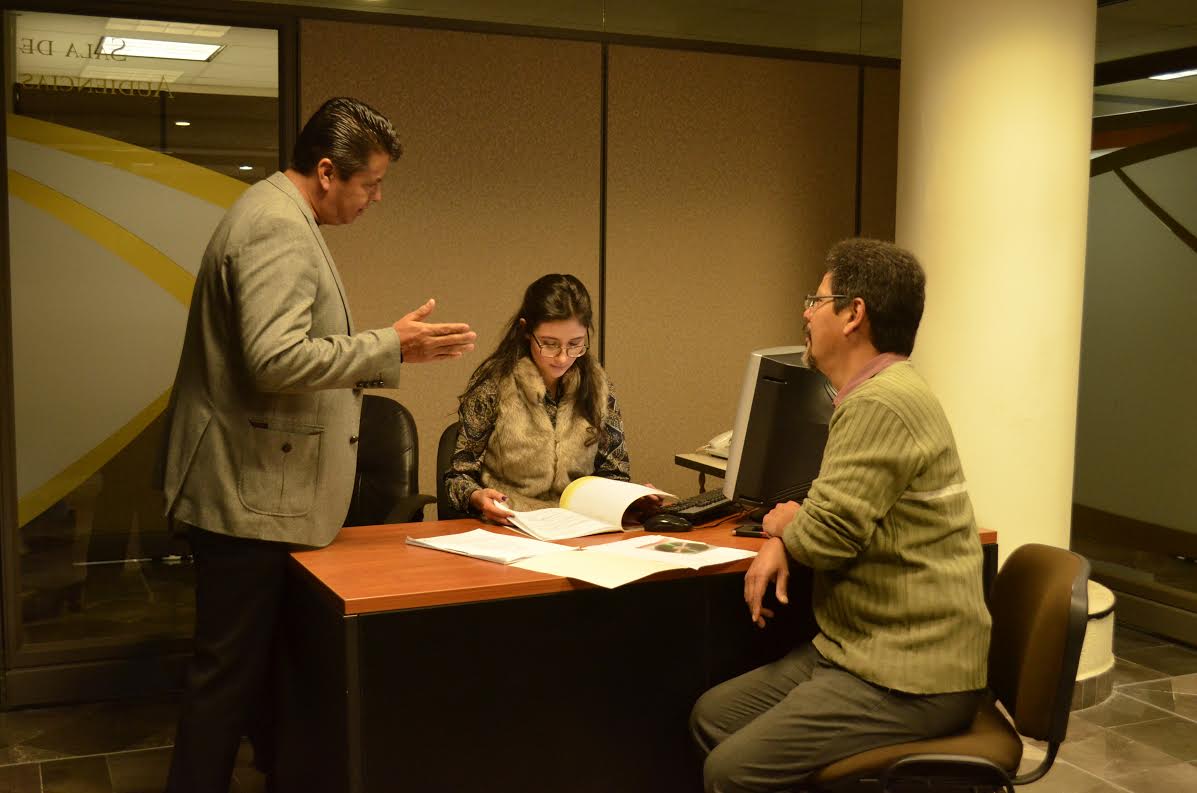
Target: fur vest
<point x="529" y="459"/>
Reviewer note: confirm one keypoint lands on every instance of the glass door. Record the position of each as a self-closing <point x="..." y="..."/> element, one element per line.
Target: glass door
<point x="1136" y="431"/>
<point x="126" y="140"/>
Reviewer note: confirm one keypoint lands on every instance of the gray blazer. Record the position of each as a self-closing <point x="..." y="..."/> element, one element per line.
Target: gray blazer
<point x="264" y="414"/>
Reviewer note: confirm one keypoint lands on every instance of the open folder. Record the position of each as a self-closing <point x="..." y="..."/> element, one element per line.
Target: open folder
<point x="589" y="505"/>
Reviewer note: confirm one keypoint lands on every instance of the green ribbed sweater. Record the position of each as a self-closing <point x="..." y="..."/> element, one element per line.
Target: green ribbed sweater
<point x="889" y="530"/>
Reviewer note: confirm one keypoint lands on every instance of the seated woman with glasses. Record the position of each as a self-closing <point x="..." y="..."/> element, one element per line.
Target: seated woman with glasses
<point x="539" y="412"/>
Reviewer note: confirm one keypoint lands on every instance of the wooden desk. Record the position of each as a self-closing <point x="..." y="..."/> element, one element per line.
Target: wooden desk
<point x="408" y="669"/>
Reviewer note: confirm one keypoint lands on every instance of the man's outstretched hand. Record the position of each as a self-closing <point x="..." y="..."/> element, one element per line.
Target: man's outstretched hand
<point x="432" y="341"/>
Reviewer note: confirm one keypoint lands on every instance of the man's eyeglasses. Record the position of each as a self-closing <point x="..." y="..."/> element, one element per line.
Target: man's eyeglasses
<point x="814" y="300"/>
<point x="551" y="348"/>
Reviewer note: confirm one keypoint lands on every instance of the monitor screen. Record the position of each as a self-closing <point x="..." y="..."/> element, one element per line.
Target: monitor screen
<point x="780" y="429"/>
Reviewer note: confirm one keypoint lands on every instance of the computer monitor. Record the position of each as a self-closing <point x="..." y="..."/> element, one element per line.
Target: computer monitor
<point x="780" y="430"/>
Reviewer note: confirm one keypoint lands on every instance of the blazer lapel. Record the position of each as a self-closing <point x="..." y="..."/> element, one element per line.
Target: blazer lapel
<point x="280" y="180"/>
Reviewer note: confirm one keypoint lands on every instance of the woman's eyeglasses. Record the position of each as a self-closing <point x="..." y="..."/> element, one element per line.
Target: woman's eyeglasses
<point x="551" y="348"/>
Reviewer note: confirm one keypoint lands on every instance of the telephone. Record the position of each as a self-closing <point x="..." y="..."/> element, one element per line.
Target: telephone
<point x="719" y="446"/>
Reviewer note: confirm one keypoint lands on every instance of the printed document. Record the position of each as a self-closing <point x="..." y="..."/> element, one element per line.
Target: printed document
<point x="489" y="545"/>
<point x="618" y="563"/>
<point x="675" y="551"/>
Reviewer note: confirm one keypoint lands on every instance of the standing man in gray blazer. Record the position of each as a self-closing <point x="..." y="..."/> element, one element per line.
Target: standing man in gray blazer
<point x="263" y="429"/>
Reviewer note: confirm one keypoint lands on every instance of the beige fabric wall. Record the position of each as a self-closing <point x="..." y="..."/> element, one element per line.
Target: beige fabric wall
<point x="498" y="183"/>
<point x="879" y="153"/>
<point x="728" y="179"/>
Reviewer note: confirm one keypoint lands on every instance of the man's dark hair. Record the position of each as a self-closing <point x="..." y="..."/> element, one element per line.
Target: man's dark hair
<point x="891" y="283"/>
<point x="346" y="131"/>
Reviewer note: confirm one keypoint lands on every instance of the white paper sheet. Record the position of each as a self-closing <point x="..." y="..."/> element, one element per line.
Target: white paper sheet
<point x="617" y="563"/>
<point x="489" y="545"/>
<point x="678" y="551"/>
<point x="555" y="523"/>
<point x="605" y="570"/>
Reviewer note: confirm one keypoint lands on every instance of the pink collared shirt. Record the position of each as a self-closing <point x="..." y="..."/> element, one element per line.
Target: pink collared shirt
<point x="878" y="364"/>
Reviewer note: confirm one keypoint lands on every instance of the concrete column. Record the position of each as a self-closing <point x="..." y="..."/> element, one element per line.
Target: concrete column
<point x="993" y="184"/>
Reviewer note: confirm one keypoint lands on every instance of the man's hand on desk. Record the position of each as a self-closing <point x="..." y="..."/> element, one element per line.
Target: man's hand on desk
<point x="779" y="517"/>
<point x="771" y="563"/>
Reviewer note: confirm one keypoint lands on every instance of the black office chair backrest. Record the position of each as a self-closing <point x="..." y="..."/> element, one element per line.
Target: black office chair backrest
<point x="1040" y="608"/>
<point x="385" y="488"/>
<point x="444" y="460"/>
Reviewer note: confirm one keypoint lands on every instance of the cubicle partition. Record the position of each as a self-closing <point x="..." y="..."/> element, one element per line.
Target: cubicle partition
<point x="499" y="182"/>
<point x="695" y="193"/>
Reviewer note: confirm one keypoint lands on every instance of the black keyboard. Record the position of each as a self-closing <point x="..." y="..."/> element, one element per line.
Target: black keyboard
<point x="702" y="507"/>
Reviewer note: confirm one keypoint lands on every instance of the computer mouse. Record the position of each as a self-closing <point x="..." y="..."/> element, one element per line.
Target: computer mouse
<point x="667" y="521"/>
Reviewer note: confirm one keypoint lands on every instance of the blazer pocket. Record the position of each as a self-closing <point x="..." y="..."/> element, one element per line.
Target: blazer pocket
<point x="279" y="463"/>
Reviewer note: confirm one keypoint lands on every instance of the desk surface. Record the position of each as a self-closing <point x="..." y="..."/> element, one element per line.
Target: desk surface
<point x="371" y="568"/>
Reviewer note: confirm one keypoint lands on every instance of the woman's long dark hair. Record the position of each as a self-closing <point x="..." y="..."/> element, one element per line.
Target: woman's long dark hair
<point x="549" y="298"/>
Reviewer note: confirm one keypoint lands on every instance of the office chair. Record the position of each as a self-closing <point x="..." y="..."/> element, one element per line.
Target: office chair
<point x="444" y="460"/>
<point x="1039" y="604"/>
<point x="385" y="488"/>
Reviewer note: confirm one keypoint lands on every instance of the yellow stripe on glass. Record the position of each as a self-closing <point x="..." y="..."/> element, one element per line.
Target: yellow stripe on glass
<point x="162" y="168"/>
<point x="53" y="490"/>
<point x="92" y="223"/>
<point x="156" y="266"/>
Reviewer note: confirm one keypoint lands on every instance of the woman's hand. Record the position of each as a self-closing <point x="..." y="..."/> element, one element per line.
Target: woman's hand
<point x="641" y="508"/>
<point x="484" y="502"/>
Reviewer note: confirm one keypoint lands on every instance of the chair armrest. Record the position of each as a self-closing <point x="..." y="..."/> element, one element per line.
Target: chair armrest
<point x="409" y="509"/>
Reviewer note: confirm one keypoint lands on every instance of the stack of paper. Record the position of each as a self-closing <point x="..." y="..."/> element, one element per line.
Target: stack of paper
<point x="488" y="545"/>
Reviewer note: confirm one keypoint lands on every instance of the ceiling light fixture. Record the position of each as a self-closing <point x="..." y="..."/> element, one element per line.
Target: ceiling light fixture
<point x="154" y="48"/>
<point x="1174" y="75"/>
<point x="245" y="167"/>
<point x="182" y="123"/>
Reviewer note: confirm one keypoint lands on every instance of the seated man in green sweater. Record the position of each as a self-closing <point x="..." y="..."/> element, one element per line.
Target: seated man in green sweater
<point x="888" y="529"/>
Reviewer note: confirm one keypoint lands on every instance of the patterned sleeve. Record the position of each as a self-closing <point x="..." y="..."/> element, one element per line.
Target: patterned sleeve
<point x="477" y="415"/>
<point x="611" y="461"/>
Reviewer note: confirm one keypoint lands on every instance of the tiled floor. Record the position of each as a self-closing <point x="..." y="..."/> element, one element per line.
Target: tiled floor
<point x="1143" y="739"/>
<point x="104" y="748"/>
